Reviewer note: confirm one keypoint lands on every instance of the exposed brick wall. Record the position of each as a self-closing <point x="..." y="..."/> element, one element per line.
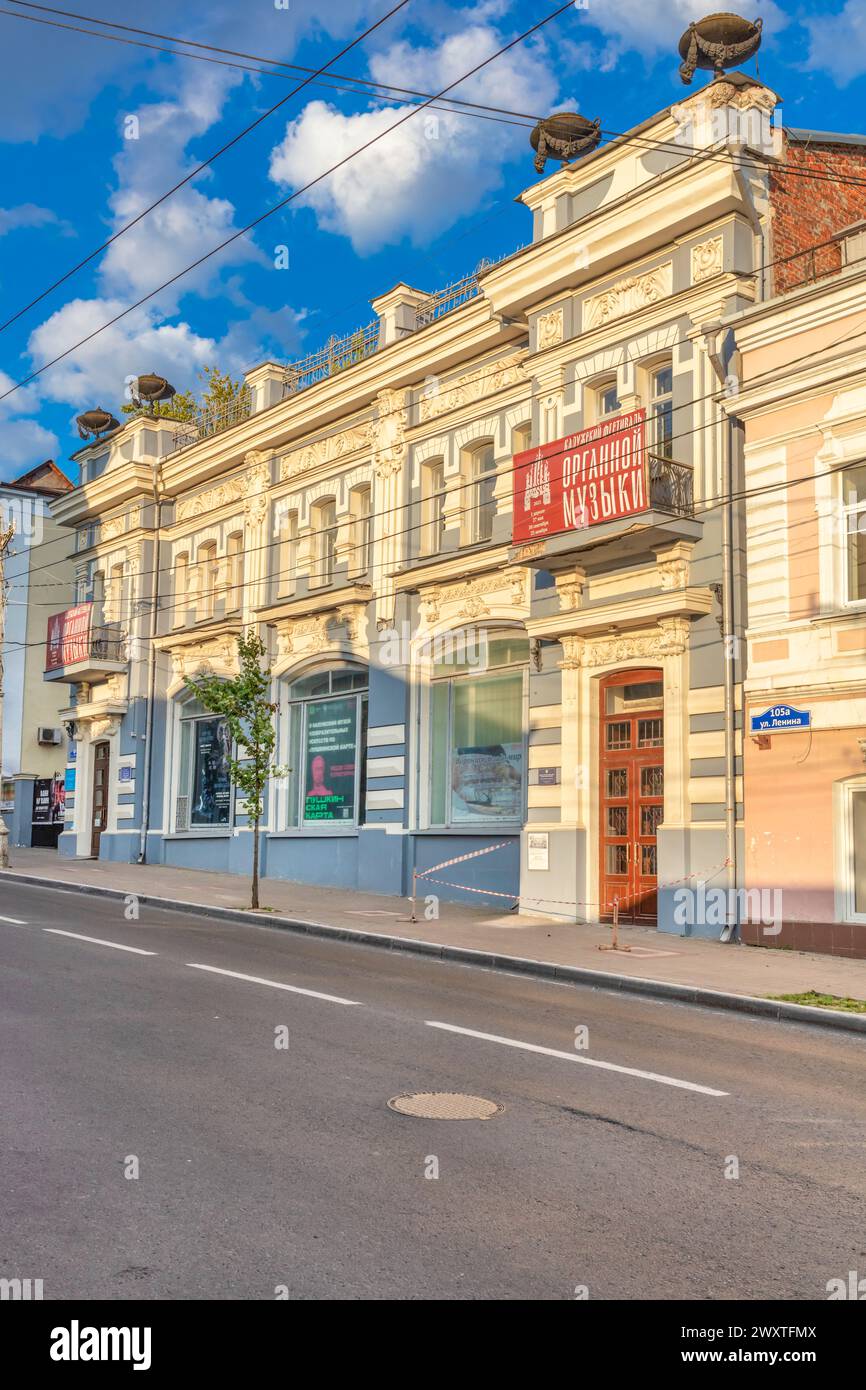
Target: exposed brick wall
<point x="806" y="210"/>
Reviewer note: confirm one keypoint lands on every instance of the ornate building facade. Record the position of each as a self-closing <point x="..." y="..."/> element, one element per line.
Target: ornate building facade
<point x="451" y="675"/>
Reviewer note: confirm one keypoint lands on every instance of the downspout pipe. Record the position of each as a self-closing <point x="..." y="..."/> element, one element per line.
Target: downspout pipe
<point x="712" y="337"/>
<point x="151" y="667"/>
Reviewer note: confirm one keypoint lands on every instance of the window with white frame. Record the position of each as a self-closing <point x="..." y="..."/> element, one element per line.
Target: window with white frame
<point x="661" y="410"/>
<point x="482" y="492"/>
<point x="851" y="826"/>
<point x="854" y="506"/>
<point x="521" y="437"/>
<point x="115" y="607"/>
<point x="607" y="400"/>
<point x="207" y="580"/>
<point x="432" y="506"/>
<point x="477" y="755"/>
<point x="203" y="796"/>
<point x="324" y="518"/>
<point x="235" y="567"/>
<point x="287" y="554"/>
<point x="362" y="534"/>
<point x="325" y="741"/>
<point x="181" y="589"/>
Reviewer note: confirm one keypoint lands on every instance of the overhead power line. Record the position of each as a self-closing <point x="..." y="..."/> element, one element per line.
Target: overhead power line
<point x="368" y="144"/>
<point x="229" y="144"/>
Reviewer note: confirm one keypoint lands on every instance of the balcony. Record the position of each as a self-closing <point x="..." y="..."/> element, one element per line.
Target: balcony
<point x="76" y="650"/>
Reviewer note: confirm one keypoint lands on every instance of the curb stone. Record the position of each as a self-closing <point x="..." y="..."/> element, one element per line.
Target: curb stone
<point x="777" y="1010"/>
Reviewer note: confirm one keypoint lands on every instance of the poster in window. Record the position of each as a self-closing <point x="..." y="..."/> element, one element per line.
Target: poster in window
<point x="487" y="783"/>
<point x="329" y="760"/>
<point x="212" y="788"/>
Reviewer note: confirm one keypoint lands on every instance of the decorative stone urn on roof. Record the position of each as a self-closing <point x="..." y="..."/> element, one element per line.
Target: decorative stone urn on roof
<point x="563" y="136"/>
<point x="718" y="42"/>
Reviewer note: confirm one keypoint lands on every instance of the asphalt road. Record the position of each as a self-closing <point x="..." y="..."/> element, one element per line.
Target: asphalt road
<point x="263" y="1167"/>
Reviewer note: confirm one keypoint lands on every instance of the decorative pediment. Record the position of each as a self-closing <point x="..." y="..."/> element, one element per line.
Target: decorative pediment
<point x="628" y="296"/>
<point x="484" y="381"/>
<point x="473" y="598"/>
<point x="203" y="503"/>
<point x="330" y="450"/>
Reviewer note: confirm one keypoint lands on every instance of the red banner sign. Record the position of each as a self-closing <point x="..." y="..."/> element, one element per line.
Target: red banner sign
<point x="68" y="637"/>
<point x="594" y="476"/>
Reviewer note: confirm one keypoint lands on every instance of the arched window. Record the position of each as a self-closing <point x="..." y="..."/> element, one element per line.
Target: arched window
<point x="362" y="535"/>
<point x="482" y="503"/>
<point x="287" y="555"/>
<point x="476" y="755"/>
<point x="115" y="607"/>
<point x="235" y="562"/>
<point x="325" y="748"/>
<point x="181" y="590"/>
<point x="661" y="384"/>
<point x="207" y="580"/>
<point x="521" y="437"/>
<point x="324" y="517"/>
<point x="432" y="506"/>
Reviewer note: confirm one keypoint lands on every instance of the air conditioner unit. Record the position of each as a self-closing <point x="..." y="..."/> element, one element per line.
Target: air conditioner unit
<point x="52" y="736"/>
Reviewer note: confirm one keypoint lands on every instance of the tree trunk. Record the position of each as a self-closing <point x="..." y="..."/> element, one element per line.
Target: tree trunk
<point x="255" y="885"/>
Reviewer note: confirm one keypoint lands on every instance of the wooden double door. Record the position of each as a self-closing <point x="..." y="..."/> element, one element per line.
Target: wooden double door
<point x="99" y="808"/>
<point x="631" y="794"/>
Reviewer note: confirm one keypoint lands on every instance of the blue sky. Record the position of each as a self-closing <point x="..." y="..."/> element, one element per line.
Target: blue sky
<point x="424" y="205"/>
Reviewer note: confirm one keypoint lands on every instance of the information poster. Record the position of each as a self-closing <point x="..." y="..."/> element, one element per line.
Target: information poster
<point x="329" y="760"/>
<point x="487" y="783"/>
<point x="587" y="478"/>
<point x="212" y="792"/>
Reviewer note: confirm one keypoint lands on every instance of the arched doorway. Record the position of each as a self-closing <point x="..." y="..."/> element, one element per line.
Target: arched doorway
<point x="631" y="792"/>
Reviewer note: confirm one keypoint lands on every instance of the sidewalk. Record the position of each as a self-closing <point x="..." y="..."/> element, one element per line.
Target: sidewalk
<point x="741" y="970"/>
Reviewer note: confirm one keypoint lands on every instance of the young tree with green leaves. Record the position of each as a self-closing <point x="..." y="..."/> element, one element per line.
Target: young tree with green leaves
<point x="244" y="702"/>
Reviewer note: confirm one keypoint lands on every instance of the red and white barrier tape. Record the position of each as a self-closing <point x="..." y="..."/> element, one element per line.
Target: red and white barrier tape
<point x="460" y="858"/>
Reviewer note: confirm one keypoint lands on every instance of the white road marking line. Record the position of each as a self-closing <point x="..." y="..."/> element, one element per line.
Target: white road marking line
<point x="274" y="984"/>
<point x="574" y="1057"/>
<point x="97" y="941"/>
<point x="16" y="921"/>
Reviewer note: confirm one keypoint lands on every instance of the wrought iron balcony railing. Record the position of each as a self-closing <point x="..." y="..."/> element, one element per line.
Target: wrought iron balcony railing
<point x="671" y="486"/>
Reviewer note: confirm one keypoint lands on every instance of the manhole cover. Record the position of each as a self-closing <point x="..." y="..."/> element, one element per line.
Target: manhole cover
<point x="445" y="1105"/>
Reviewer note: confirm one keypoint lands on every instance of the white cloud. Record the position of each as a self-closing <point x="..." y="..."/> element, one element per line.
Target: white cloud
<point x="94" y="375"/>
<point x="187" y="224"/>
<point x="434" y="168"/>
<point x="23" y="441"/>
<point x="25" y="215"/>
<point x="837" y="42"/>
<point x="633" y="26"/>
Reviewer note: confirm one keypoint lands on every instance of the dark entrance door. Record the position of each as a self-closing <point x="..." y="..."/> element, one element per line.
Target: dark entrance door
<point x="99" y="813"/>
<point x="631" y="795"/>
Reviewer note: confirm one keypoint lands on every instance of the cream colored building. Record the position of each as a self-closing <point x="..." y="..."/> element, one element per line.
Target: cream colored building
<point x="553" y="707"/>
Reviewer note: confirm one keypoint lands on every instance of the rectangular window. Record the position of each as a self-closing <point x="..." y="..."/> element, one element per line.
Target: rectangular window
<point x="330" y="761"/>
<point x="858" y="826"/>
<point x="432" y="507"/>
<point x="287" y="556"/>
<point x="854" y="501"/>
<point x="205" y="749"/>
<point x="326" y="542"/>
<point x="662" y="412"/>
<point x="361" y="530"/>
<point x="477" y="755"/>
<point x="608" y="400"/>
<point x="327" y="739"/>
<point x="484" y="500"/>
<point x="235" y="557"/>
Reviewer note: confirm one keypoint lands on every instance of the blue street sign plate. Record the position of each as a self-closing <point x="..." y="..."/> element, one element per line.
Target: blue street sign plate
<point x="778" y="718"/>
